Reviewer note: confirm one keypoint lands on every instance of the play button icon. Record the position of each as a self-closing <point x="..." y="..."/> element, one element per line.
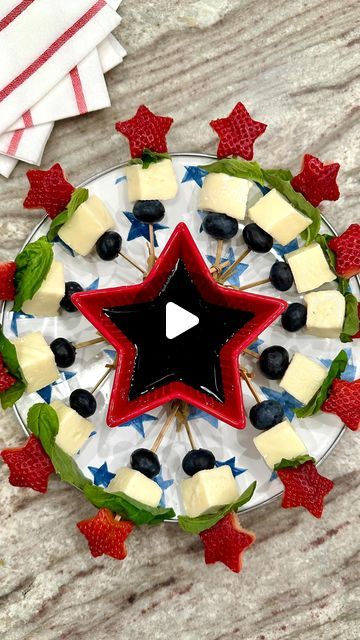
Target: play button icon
<point x="178" y="320"/>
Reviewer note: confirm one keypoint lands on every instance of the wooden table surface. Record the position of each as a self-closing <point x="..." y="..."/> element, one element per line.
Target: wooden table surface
<point x="296" y="66"/>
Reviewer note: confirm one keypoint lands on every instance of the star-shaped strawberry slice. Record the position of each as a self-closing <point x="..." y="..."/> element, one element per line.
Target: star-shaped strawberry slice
<point x="304" y="487"/>
<point x="226" y="542"/>
<point x="7" y="283"/>
<point x="105" y="535"/>
<point x="347" y="250"/>
<point x="237" y="133"/>
<point x="317" y="181"/>
<point x="145" y="130"/>
<point x="29" y="465"/>
<point x="6" y="380"/>
<point x="49" y="190"/>
<point x="344" y="401"/>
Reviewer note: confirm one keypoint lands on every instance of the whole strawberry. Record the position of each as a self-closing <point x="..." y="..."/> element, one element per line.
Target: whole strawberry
<point x="105" y="535"/>
<point x="6" y="380"/>
<point x="347" y="250"/>
<point x="29" y="465"/>
<point x="7" y="285"/>
<point x="226" y="542"/>
<point x="304" y="487"/>
<point x="344" y="401"/>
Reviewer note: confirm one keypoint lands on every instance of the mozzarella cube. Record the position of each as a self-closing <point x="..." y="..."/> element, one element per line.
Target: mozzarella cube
<point x="74" y="430"/>
<point x="157" y="182"/>
<point x="89" y="222"/>
<point x="277" y="216"/>
<point x="280" y="442"/>
<point x="303" y="378"/>
<point x="225" y="194"/>
<point x="325" y="313"/>
<point x="36" y="360"/>
<point x="46" y="301"/>
<point x="137" y="486"/>
<point x="209" y="490"/>
<point x="309" y="267"/>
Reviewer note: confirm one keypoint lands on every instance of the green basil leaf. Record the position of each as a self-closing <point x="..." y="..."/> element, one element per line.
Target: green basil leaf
<point x="294" y="462"/>
<point x="78" y="197"/>
<point x="283" y="174"/>
<point x="32" y="266"/>
<point x="8" y="352"/>
<point x="236" y="168"/>
<point x="351" y="322"/>
<point x="208" y="520"/>
<point x="149" y="157"/>
<point x="343" y="285"/>
<point x="12" y="395"/>
<point x="322" y="239"/>
<point x="127" y="507"/>
<point x="337" y="367"/>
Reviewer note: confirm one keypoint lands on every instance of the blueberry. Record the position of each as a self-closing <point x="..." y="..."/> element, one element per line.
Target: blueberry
<point x="83" y="402"/>
<point x="70" y="288"/>
<point x="266" y="414"/>
<point x="273" y="362"/>
<point x="220" y="226"/>
<point x="149" y="211"/>
<point x="294" y="318"/>
<point x="145" y="461"/>
<point x="257" y="239"/>
<point x="64" y="352"/>
<point x="198" y="460"/>
<point x="281" y="276"/>
<point x="109" y="245"/>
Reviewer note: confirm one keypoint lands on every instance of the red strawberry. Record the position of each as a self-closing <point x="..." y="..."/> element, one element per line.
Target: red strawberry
<point x="29" y="465"/>
<point x="7" y="286"/>
<point x="344" y="401"/>
<point x="226" y="542"/>
<point x="347" y="250"/>
<point x="105" y="535"/>
<point x="6" y="380"/>
<point x="145" y="130"/>
<point x="237" y="133"/>
<point x="317" y="181"/>
<point x="304" y="487"/>
<point x="49" y="190"/>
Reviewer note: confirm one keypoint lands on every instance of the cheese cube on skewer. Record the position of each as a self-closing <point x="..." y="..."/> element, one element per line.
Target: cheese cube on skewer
<point x="46" y="301"/>
<point x="36" y="360"/>
<point x="325" y="313"/>
<point x="74" y="430"/>
<point x="278" y="217"/>
<point x="208" y="490"/>
<point x="137" y="486"/>
<point x="279" y="442"/>
<point x="225" y="194"/>
<point x="303" y="377"/>
<point x="157" y="182"/>
<point x="89" y="222"/>
<point x="309" y="267"/>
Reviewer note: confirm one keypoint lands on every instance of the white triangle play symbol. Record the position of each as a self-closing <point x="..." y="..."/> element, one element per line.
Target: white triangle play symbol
<point x="178" y="320"/>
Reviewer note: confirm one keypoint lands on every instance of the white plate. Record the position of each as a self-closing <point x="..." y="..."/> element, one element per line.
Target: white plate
<point x="113" y="446"/>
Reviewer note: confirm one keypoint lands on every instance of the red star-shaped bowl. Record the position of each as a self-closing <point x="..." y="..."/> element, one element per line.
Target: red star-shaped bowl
<point x="181" y="246"/>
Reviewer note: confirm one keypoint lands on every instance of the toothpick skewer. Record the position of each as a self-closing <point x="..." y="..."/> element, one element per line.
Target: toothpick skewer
<point x="253" y="284"/>
<point x="165" y="427"/>
<point x="88" y="343"/>
<point x="248" y="377"/>
<point x="221" y="266"/>
<point x="189" y="433"/>
<point x="226" y="274"/>
<point x="152" y="256"/>
<point x="219" y="250"/>
<point x="252" y="354"/>
<point x="109" y="368"/>
<point x="131" y="261"/>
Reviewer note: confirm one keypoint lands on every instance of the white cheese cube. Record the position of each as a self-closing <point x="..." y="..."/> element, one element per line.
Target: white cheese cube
<point x="279" y="442"/>
<point x="325" y="313"/>
<point x="277" y="216"/>
<point x="36" y="360"/>
<point x="209" y="490"/>
<point x="74" y="430"/>
<point x="309" y="267"/>
<point x="303" y="377"/>
<point x="224" y="194"/>
<point x="46" y="301"/>
<point x="137" y="486"/>
<point x="90" y="220"/>
<point x="157" y="182"/>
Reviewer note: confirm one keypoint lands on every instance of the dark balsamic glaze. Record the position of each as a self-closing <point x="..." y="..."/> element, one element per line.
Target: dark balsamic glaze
<point x="192" y="357"/>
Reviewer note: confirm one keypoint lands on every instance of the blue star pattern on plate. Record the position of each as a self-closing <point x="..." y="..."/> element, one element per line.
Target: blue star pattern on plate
<point x="239" y="270"/>
<point x="111" y="353"/>
<point x="264" y="190"/>
<point x="282" y="249"/>
<point x="350" y="371"/>
<point x="102" y="475"/>
<point x="138" y="423"/>
<point x="255" y="345"/>
<point x="236" y="471"/>
<point x="194" y="173"/>
<point x="93" y="286"/>
<point x="196" y="413"/>
<point x="202" y="216"/>
<point x="288" y="402"/>
<point x="46" y="392"/>
<point x="120" y="179"/>
<point x="273" y="476"/>
<point x="64" y="246"/>
<point x="163" y="484"/>
<point x="15" y="317"/>
<point x="141" y="230"/>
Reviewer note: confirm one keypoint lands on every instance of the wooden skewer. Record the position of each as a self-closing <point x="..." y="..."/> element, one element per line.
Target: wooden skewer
<point x="131" y="261"/>
<point x="190" y="436"/>
<point x="226" y="274"/>
<point x="109" y="368"/>
<point x="165" y="427"/>
<point x="87" y="343"/>
<point x="152" y="256"/>
<point x="247" y="377"/>
<point x="117" y="517"/>
<point x="252" y="354"/>
<point x="221" y="266"/>
<point x="253" y="284"/>
<point x="219" y="250"/>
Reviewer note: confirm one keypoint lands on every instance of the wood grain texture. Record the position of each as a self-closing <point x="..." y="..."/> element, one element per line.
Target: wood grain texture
<point x="296" y="66"/>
